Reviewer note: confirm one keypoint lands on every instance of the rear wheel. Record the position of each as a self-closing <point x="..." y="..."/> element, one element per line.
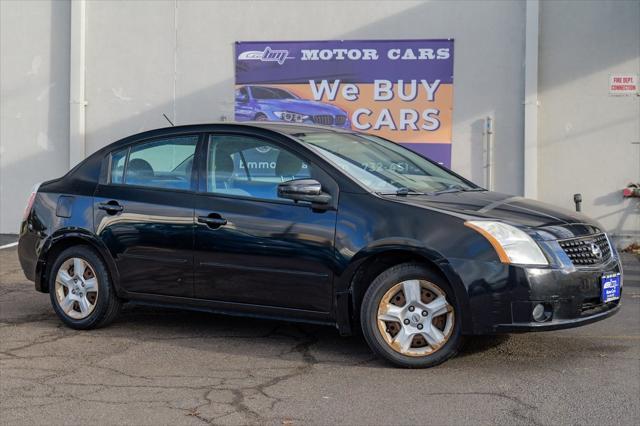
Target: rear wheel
<point x="409" y="317"/>
<point x="80" y="289"/>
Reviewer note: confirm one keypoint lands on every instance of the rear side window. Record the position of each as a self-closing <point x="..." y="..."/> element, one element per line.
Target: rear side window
<point x="162" y="163"/>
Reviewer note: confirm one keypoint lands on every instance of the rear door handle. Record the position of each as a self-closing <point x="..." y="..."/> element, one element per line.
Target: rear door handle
<point x="213" y="221"/>
<point x="111" y="207"/>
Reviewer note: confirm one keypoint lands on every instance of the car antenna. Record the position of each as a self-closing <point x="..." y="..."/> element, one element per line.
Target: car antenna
<point x="170" y="122"/>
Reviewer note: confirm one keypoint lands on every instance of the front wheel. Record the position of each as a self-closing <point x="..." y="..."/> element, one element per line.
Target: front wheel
<point x="80" y="289"/>
<point x="409" y="317"/>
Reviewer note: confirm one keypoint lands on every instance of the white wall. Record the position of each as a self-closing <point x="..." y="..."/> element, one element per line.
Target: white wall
<point x="585" y="135"/>
<point x="130" y="65"/>
<point x="145" y="58"/>
<point x="34" y="100"/>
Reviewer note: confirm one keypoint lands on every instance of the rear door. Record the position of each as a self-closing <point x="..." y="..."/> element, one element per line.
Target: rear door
<point x="252" y="247"/>
<point x="144" y="214"/>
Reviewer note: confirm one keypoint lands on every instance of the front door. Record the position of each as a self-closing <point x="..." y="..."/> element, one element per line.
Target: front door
<point x="251" y="246"/>
<point x="144" y="215"/>
<point x="243" y="105"/>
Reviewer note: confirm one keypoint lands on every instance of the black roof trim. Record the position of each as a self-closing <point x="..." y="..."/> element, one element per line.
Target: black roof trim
<point x="276" y="127"/>
<point x="284" y="128"/>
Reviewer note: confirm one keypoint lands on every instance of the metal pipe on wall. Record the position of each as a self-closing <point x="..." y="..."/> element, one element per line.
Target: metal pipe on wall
<point x="488" y="153"/>
<point x="77" y="102"/>
<point x="531" y="99"/>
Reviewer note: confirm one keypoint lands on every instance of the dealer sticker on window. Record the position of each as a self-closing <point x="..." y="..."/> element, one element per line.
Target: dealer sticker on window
<point x="610" y="287"/>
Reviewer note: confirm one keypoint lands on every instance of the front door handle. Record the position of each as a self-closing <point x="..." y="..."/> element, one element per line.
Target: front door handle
<point x="112" y="207"/>
<point x="213" y="221"/>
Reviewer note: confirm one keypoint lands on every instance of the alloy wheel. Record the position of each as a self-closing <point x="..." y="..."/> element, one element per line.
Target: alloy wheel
<point x="415" y="318"/>
<point x="76" y="288"/>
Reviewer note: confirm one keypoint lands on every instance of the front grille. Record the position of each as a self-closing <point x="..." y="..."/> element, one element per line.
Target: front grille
<point x="595" y="306"/>
<point x="325" y="120"/>
<point x="340" y="120"/>
<point x="585" y="251"/>
<point x="590" y="304"/>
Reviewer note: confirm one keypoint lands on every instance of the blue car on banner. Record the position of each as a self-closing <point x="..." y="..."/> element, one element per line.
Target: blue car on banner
<point x="266" y="103"/>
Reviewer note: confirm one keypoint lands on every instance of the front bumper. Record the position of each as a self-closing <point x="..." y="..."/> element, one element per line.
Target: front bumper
<point x="559" y="324"/>
<point x="346" y="125"/>
<point x="571" y="297"/>
<point x="504" y="302"/>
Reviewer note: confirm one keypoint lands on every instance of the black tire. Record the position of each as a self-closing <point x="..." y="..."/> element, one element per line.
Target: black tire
<point x="261" y="117"/>
<point x="369" y="317"/>
<point x="107" y="304"/>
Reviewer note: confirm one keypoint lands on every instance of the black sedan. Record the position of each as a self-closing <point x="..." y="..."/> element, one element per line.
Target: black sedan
<point x="311" y="224"/>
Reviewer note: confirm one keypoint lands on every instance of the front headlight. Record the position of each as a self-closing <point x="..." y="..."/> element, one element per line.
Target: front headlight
<point x="511" y="244"/>
<point x="293" y="117"/>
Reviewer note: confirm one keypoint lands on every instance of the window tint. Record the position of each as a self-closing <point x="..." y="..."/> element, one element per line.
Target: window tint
<point x="118" y="159"/>
<point x="165" y="163"/>
<point x="260" y="92"/>
<point x="247" y="166"/>
<point x="381" y="165"/>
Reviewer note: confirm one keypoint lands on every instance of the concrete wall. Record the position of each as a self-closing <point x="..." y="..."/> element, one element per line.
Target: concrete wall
<point x="585" y="135"/>
<point x="34" y="100"/>
<point x="146" y="58"/>
<point x="130" y="73"/>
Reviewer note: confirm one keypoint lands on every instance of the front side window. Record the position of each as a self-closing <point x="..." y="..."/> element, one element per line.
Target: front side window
<point x="262" y="92"/>
<point x="251" y="167"/>
<point x="381" y="165"/>
<point x="164" y="163"/>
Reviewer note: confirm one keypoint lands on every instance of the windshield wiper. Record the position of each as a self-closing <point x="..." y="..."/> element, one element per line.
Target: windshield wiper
<point x="402" y="192"/>
<point x="456" y="188"/>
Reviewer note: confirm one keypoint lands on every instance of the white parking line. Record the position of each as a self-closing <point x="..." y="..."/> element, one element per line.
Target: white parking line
<point x="9" y="245"/>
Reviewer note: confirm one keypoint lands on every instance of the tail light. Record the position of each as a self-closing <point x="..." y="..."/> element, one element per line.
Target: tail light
<point x="32" y="198"/>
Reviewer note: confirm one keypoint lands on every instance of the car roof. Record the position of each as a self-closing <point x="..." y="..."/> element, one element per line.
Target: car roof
<point x="288" y="129"/>
<point x="294" y="129"/>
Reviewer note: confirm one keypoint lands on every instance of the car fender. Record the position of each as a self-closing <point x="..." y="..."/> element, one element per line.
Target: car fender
<point x="264" y="108"/>
<point x="83" y="236"/>
<point x="409" y="246"/>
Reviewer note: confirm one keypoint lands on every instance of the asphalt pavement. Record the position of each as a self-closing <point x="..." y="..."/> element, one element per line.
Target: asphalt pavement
<point x="8" y="239"/>
<point x="160" y="366"/>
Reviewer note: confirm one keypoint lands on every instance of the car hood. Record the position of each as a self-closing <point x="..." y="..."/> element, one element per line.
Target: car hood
<point x="549" y="221"/>
<point x="302" y="106"/>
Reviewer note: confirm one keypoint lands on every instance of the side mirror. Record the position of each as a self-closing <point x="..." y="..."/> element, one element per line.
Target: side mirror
<point x="304" y="190"/>
<point x="242" y="99"/>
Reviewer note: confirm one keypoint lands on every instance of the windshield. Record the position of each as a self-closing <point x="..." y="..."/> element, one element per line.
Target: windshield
<point x="383" y="166"/>
<point x="260" y="92"/>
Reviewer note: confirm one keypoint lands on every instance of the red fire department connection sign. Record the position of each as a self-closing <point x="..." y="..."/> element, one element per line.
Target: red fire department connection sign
<point x="621" y="85"/>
